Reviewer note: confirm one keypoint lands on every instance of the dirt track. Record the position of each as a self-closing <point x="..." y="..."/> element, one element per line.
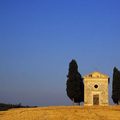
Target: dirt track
<point x="62" y="113"/>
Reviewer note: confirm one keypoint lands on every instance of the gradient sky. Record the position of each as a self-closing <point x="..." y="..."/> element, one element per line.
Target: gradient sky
<point x="38" y="39"/>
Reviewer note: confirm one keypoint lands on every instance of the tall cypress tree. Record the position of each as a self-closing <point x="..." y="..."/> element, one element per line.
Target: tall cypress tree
<point x="75" y="86"/>
<point x="116" y="86"/>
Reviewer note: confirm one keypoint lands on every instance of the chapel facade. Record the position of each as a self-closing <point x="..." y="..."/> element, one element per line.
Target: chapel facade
<point x="96" y="89"/>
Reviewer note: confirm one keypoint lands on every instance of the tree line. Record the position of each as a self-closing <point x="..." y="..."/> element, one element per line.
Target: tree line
<point x="75" y="84"/>
<point x="4" y="106"/>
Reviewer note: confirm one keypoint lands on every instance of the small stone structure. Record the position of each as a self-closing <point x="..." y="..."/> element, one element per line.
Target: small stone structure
<point x="96" y="89"/>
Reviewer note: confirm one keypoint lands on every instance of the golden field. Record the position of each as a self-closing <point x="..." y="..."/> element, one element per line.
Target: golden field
<point x="63" y="113"/>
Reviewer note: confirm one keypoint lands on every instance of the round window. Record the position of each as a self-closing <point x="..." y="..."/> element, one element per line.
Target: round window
<point x="95" y="86"/>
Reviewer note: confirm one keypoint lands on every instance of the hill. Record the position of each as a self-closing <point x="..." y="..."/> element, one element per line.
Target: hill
<point x="62" y="113"/>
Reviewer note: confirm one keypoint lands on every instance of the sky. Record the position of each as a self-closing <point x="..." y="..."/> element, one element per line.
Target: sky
<point x="38" y="39"/>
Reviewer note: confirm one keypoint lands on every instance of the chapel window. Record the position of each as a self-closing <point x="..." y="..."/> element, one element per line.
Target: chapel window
<point x="96" y="86"/>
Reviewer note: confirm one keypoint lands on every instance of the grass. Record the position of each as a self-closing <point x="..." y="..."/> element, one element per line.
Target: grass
<point x="63" y="113"/>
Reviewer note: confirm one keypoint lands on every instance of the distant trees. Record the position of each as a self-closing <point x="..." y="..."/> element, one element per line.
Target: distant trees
<point x="4" y="106"/>
<point x="116" y="86"/>
<point x="75" y="86"/>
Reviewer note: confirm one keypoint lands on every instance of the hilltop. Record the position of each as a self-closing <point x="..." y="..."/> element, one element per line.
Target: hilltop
<point x="63" y="113"/>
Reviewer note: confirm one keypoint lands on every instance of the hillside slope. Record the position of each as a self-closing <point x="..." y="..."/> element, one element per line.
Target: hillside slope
<point x="62" y="113"/>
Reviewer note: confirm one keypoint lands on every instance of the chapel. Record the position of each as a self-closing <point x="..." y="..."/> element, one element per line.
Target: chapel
<point x="96" y="89"/>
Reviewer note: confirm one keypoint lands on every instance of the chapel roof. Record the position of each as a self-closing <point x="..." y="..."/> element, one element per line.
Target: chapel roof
<point x="96" y="74"/>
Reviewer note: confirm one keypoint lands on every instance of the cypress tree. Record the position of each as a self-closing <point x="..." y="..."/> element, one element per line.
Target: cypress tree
<point x="75" y="87"/>
<point x="116" y="86"/>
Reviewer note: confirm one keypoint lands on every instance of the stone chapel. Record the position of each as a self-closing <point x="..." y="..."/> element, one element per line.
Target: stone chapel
<point x="96" y="89"/>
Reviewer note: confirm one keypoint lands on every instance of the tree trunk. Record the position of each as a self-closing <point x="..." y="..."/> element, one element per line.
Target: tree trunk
<point x="73" y="102"/>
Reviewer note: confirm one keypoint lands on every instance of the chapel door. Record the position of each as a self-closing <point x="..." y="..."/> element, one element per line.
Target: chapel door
<point x="96" y="99"/>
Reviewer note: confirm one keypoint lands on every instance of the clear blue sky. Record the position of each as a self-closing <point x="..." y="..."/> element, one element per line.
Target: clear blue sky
<point x="38" y="39"/>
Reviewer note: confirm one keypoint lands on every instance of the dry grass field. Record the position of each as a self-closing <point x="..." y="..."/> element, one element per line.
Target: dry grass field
<point x="62" y="113"/>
